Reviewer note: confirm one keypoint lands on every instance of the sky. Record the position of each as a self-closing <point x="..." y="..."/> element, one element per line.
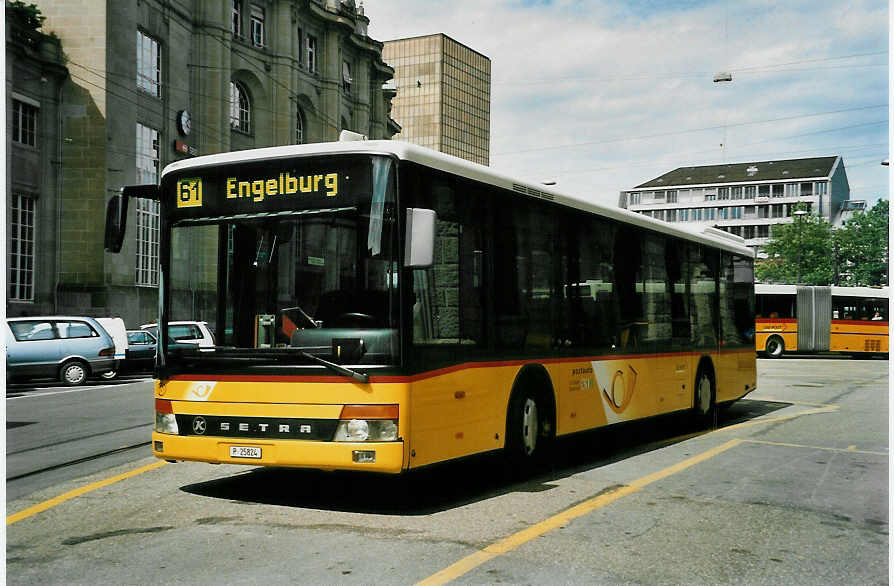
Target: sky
<point x="601" y="96"/>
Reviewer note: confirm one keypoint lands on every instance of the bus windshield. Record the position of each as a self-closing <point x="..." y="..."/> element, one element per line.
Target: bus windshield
<point x="286" y="287"/>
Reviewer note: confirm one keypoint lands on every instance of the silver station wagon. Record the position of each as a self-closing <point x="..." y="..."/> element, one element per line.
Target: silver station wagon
<point x="70" y="349"/>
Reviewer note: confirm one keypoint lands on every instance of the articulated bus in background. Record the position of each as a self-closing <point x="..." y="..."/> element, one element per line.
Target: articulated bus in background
<point x="796" y="318"/>
<point x="379" y="306"/>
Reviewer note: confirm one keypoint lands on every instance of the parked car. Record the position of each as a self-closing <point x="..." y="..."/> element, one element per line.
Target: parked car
<point x="186" y="332"/>
<point x="68" y="348"/>
<point x="140" y="355"/>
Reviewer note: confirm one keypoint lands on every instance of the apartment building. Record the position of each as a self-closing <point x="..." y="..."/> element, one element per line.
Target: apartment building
<point x="443" y="95"/>
<point x="745" y="199"/>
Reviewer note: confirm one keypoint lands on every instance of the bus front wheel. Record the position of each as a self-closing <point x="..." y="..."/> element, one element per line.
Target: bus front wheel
<point x="775" y="347"/>
<point x="528" y="431"/>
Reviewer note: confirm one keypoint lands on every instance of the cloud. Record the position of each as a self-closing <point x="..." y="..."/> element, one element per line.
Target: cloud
<point x="602" y="96"/>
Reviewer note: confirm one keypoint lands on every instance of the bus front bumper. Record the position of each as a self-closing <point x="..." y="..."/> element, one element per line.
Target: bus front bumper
<point x="383" y="457"/>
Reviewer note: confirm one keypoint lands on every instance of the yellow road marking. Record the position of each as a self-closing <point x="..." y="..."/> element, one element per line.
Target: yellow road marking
<point x="474" y="560"/>
<point x="41" y="507"/>
<point x="513" y="541"/>
<point x="849" y="449"/>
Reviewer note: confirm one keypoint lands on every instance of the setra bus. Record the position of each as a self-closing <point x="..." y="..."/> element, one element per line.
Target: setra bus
<point x="809" y="318"/>
<point x="380" y="306"/>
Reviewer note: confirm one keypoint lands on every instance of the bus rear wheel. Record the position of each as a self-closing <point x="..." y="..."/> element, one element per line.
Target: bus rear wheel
<point x="704" y="405"/>
<point x="775" y="347"/>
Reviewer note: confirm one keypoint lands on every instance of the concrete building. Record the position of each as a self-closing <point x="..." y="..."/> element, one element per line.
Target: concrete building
<point x="443" y="95"/>
<point x="745" y="198"/>
<point x="154" y="81"/>
<point x="35" y="74"/>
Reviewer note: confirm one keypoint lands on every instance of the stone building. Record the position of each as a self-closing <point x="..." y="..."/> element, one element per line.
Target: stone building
<point x="35" y="74"/>
<point x="155" y="81"/>
<point x="443" y="95"/>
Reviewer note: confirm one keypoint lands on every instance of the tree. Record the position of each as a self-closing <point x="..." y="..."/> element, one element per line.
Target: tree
<point x="24" y="21"/>
<point x="862" y="245"/>
<point x="799" y="253"/>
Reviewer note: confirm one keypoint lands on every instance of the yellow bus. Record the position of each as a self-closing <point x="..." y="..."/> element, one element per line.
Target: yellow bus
<point x="380" y="306"/>
<point x="807" y="318"/>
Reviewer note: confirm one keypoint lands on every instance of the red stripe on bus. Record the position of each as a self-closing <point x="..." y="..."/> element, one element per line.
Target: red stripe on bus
<point x="435" y="373"/>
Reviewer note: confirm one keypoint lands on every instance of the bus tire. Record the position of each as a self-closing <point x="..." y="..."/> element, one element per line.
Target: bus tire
<point x="528" y="431"/>
<point x="775" y="347"/>
<point x="704" y="401"/>
<point x="73" y="373"/>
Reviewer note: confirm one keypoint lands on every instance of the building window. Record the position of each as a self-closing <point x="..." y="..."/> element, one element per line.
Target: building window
<point x="346" y="79"/>
<point x="748" y="232"/>
<point x="763" y="231"/>
<point x="237" y="18"/>
<point x="147" y="242"/>
<point x="671" y="196"/>
<point x="777" y="210"/>
<point x="311" y="54"/>
<point x="148" y="64"/>
<point x="763" y="191"/>
<point x="299" y="126"/>
<point x="723" y="193"/>
<point x="21" y="248"/>
<point x="300" y="47"/>
<point x="684" y="215"/>
<point x="763" y="211"/>
<point x="778" y="190"/>
<point x="806" y="189"/>
<point x="735" y="193"/>
<point x="634" y="198"/>
<point x="24" y="123"/>
<point x="710" y="196"/>
<point x="820" y="188"/>
<point x="147" y="210"/>
<point x="791" y="190"/>
<point x="257" y="26"/>
<point x="750" y="190"/>
<point x="240" y="108"/>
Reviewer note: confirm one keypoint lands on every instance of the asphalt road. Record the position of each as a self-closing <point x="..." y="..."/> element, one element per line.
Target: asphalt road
<point x="792" y="488"/>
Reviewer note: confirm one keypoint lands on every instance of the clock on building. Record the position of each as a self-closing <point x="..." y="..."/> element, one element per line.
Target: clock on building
<point x="184" y="123"/>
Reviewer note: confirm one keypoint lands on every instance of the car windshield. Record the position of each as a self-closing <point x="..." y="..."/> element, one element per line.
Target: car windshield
<point x="277" y="287"/>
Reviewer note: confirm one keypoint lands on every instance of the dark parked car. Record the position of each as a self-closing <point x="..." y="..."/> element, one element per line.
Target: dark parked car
<point x="140" y="355"/>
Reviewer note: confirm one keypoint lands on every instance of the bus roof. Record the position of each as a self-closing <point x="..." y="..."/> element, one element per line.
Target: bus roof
<point x="877" y="292"/>
<point x="461" y="167"/>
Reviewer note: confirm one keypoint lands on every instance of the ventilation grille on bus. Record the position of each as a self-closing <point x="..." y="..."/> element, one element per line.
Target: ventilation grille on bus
<point x="531" y="191"/>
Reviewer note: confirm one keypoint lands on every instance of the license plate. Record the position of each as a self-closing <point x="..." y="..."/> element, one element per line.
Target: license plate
<point x="245" y="452"/>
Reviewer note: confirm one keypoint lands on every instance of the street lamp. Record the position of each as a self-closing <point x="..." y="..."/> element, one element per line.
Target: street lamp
<point x="798" y="215"/>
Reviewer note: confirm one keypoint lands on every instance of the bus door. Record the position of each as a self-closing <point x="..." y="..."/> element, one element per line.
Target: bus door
<point x="814" y="318"/>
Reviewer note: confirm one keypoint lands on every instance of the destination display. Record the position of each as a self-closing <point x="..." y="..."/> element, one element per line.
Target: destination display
<point x="269" y="186"/>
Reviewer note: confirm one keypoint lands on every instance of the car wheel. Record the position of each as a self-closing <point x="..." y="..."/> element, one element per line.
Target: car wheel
<point x="73" y="373"/>
<point x="775" y="347"/>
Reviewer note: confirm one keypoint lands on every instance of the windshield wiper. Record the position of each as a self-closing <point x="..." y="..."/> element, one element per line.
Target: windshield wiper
<point x="272" y="354"/>
<point x="357" y="376"/>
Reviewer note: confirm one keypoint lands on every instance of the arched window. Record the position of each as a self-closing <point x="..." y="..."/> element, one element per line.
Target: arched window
<point x="240" y="108"/>
<point x="299" y="126"/>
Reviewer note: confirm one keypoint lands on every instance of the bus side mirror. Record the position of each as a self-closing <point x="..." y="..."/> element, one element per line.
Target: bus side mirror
<point x="116" y="223"/>
<point x="420" y="249"/>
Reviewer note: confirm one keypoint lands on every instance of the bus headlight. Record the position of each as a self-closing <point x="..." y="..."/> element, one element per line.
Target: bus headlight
<point x="366" y="430"/>
<point x="367" y="423"/>
<point x="165" y="420"/>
